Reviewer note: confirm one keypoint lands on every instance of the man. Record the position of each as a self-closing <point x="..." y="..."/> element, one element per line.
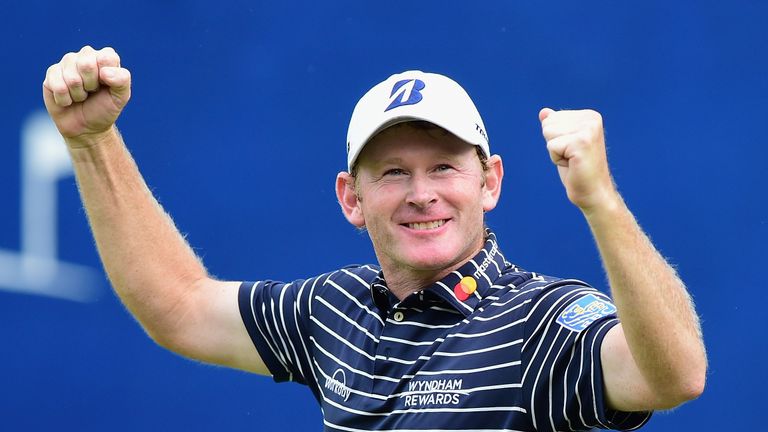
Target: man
<point x="446" y="334"/>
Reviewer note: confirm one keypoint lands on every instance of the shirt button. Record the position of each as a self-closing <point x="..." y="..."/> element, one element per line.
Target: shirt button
<point x="398" y="316"/>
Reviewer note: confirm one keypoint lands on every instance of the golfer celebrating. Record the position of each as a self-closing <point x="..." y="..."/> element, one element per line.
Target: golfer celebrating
<point x="443" y="333"/>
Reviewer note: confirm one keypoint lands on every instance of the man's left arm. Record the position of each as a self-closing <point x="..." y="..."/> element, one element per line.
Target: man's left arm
<point x="654" y="359"/>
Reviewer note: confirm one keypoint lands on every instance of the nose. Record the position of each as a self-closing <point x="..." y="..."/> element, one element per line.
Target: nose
<point x="421" y="192"/>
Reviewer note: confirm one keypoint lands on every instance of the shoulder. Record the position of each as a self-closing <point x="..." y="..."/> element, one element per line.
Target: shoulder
<point x="561" y="304"/>
<point x="351" y="278"/>
<point x="548" y="298"/>
<point x="348" y="282"/>
<point x="360" y="273"/>
<point x="521" y="283"/>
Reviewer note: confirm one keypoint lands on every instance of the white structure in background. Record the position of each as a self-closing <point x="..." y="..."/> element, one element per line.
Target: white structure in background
<point x="36" y="268"/>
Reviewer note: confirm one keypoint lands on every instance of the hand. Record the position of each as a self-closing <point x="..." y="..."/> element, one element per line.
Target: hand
<point x="85" y="92"/>
<point x="576" y="145"/>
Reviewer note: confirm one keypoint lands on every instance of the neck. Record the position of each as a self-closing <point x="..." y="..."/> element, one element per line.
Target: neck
<point x="403" y="281"/>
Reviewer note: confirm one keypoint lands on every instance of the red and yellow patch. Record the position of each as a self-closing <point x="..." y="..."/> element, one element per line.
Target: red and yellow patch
<point x="466" y="286"/>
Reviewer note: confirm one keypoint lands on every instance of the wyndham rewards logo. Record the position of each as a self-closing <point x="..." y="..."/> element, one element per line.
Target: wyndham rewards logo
<point x="406" y="92"/>
<point x="433" y="393"/>
<point x="584" y="311"/>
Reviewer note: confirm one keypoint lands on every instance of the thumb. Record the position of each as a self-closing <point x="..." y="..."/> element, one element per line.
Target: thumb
<point x="118" y="80"/>
<point x="544" y="113"/>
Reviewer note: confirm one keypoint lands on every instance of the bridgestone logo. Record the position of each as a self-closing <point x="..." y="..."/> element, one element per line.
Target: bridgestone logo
<point x="338" y="384"/>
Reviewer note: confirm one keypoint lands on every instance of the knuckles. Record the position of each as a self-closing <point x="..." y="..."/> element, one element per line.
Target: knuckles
<point x="50" y="74"/>
<point x="68" y="72"/>
<point x="86" y="64"/>
<point x="89" y="59"/>
<point x="58" y="89"/>
<point x="73" y="79"/>
<point x="107" y="56"/>
<point x="584" y="125"/>
<point x="593" y="115"/>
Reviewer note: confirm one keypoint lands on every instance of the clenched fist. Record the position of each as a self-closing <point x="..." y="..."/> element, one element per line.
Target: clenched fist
<point x="576" y="145"/>
<point x="85" y="92"/>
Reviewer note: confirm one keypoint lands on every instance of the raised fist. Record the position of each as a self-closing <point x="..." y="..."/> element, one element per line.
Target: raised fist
<point x="85" y="92"/>
<point x="576" y="144"/>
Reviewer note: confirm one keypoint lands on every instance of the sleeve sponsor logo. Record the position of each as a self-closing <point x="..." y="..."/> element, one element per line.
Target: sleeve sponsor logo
<point x="584" y="311"/>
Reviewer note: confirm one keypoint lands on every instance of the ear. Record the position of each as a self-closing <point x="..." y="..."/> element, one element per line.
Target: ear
<point x="492" y="188"/>
<point x="350" y="205"/>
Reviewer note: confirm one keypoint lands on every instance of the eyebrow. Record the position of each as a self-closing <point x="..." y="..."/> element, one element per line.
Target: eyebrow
<point x="390" y="160"/>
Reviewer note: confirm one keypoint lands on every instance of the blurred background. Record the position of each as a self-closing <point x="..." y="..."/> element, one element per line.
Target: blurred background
<point x="238" y="122"/>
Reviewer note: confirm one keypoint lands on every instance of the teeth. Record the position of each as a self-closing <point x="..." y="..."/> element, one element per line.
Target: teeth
<point x="427" y="225"/>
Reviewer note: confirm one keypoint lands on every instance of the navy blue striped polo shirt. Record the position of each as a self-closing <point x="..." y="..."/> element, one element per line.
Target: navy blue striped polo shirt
<point x="521" y="353"/>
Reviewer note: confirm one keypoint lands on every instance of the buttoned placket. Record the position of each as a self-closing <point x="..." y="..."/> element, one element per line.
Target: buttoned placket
<point x="385" y="349"/>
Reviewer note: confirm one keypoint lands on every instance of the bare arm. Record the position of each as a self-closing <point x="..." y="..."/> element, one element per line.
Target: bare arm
<point x="149" y="264"/>
<point x="655" y="358"/>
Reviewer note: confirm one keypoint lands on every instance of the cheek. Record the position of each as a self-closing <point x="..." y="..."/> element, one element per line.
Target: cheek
<point x="375" y="211"/>
<point x="467" y="193"/>
<point x="382" y="196"/>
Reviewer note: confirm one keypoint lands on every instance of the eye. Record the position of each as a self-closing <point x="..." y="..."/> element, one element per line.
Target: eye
<point x="394" y="172"/>
<point x="443" y="167"/>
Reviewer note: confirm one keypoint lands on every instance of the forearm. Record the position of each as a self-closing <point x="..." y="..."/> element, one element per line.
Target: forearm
<point x="147" y="260"/>
<point x="659" y="322"/>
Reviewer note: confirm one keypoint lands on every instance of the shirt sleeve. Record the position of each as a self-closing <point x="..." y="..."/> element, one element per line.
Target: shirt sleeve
<point x="276" y="315"/>
<point x="562" y="373"/>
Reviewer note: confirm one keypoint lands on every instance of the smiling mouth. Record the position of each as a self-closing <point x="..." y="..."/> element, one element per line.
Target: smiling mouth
<point x="426" y="225"/>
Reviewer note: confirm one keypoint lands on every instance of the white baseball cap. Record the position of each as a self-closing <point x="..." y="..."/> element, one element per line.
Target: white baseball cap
<point x="415" y="95"/>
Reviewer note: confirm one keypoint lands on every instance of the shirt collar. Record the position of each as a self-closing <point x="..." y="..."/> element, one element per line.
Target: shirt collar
<point x="484" y="268"/>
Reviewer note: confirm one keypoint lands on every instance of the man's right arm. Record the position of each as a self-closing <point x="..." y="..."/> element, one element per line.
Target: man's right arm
<point x="150" y="265"/>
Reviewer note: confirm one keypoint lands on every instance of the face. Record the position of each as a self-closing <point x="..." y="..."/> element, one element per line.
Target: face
<point x="421" y="194"/>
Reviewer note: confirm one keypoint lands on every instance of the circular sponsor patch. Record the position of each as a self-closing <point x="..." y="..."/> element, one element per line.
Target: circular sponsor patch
<point x="466" y="286"/>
